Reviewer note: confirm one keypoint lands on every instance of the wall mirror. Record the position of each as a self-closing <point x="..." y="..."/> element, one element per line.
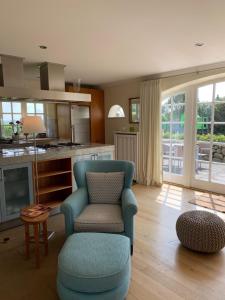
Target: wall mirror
<point x="134" y="110"/>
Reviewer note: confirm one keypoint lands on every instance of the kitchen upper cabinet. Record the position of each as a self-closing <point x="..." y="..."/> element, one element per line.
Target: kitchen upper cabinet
<point x="97" y="113"/>
<point x="63" y="121"/>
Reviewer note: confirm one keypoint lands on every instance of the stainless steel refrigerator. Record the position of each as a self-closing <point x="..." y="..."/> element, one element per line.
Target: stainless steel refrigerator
<point x="80" y="121"/>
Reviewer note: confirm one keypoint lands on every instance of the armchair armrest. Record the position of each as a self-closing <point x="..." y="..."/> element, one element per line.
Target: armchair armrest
<point x="129" y="203"/>
<point x="129" y="209"/>
<point x="72" y="207"/>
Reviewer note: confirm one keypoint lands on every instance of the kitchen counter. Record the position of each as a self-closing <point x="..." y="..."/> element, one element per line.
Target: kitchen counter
<point x="22" y="155"/>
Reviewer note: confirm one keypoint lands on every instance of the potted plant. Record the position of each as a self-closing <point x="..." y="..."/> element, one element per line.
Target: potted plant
<point x="16" y="128"/>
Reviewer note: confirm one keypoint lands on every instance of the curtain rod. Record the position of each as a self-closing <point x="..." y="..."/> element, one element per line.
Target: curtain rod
<point x="153" y="77"/>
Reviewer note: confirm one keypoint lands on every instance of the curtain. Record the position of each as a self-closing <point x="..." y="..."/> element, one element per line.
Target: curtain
<point x="150" y="161"/>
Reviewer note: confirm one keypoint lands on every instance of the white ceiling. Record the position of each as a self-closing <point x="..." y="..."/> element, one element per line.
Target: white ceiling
<point x="102" y="41"/>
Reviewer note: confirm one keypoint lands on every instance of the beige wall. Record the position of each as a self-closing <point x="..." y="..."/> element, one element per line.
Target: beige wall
<point x="119" y="94"/>
<point x="187" y="79"/>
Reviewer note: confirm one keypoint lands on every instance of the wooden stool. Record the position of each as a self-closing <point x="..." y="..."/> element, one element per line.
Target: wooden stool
<point x="42" y="219"/>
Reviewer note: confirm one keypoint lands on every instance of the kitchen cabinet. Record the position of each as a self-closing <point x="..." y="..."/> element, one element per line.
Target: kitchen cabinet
<point x="16" y="188"/>
<point x="97" y="115"/>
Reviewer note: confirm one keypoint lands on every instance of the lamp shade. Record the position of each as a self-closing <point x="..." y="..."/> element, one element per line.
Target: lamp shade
<point x="116" y="111"/>
<point x="33" y="124"/>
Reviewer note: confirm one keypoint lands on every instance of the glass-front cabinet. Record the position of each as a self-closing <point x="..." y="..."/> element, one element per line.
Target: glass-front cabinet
<point x="16" y="189"/>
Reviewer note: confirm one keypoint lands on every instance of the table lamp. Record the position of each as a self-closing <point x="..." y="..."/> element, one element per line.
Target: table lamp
<point x="34" y="125"/>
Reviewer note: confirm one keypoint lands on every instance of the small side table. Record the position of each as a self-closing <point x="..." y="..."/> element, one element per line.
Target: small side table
<point x="42" y="219"/>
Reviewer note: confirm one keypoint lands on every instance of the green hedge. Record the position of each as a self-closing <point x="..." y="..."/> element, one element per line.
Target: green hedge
<point x="206" y="137"/>
<point x="200" y="137"/>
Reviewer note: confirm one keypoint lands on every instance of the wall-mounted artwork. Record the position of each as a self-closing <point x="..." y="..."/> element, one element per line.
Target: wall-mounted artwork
<point x="134" y="110"/>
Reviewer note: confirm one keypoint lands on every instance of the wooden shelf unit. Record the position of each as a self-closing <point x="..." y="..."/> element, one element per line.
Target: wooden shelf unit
<point x="52" y="173"/>
<point x="54" y="181"/>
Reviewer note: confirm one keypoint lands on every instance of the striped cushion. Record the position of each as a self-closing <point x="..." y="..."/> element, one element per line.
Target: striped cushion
<point x="105" y="188"/>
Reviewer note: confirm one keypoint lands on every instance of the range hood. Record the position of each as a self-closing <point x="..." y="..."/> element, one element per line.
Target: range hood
<point x="12" y="84"/>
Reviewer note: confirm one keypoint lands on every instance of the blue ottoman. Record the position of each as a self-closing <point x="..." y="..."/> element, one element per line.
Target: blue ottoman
<point x="94" y="266"/>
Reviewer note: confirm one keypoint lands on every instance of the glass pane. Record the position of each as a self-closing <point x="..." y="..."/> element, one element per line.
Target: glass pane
<point x="220" y="91"/>
<point x="166" y="100"/>
<point x="218" y="153"/>
<point x="6" y="107"/>
<point x="219" y="133"/>
<point x="203" y="132"/>
<point x="204" y="112"/>
<point x="177" y="149"/>
<point x="218" y="173"/>
<point x="39" y="108"/>
<point x="16" y="180"/>
<point x="177" y="132"/>
<point x="202" y="151"/>
<point x="219" y="113"/>
<point x="166" y="113"/>
<point x="178" y="113"/>
<point x="7" y="131"/>
<point x="201" y="170"/>
<point x="166" y="131"/>
<point x="16" y="117"/>
<point x="180" y="98"/>
<point x="166" y="147"/>
<point x="6" y="119"/>
<point x="205" y="93"/>
<point x="166" y="162"/>
<point x="16" y="107"/>
<point x="30" y="108"/>
<point x="177" y="166"/>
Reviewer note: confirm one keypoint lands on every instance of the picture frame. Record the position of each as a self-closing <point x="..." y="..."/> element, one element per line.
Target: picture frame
<point x="134" y="110"/>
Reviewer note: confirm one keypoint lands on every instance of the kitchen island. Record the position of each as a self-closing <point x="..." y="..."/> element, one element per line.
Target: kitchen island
<point x="27" y="154"/>
<point x="54" y="176"/>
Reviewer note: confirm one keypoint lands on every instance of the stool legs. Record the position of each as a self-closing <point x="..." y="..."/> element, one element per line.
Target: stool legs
<point x="27" y="241"/>
<point x="36" y="239"/>
<point x="45" y="237"/>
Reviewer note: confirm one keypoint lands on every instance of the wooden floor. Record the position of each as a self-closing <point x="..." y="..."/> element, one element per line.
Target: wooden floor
<point x="161" y="268"/>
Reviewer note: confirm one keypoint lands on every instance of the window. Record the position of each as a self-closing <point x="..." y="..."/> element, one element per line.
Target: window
<point x="11" y="111"/>
<point x="35" y="109"/>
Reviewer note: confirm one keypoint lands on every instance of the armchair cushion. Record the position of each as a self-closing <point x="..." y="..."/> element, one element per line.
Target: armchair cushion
<point x="105" y="188"/>
<point x="100" y="218"/>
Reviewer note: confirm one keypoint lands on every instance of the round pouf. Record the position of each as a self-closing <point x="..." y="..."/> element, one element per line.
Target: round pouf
<point x="94" y="266"/>
<point x="201" y="231"/>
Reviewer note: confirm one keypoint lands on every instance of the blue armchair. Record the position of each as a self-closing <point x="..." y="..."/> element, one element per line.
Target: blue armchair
<point x="77" y="204"/>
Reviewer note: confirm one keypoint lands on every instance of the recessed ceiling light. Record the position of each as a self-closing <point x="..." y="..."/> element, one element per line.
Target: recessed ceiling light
<point x="199" y="44"/>
<point x="43" y="47"/>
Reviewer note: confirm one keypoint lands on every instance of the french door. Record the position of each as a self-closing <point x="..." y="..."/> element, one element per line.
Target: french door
<point x="193" y="137"/>
<point x="209" y="138"/>
<point x="173" y="137"/>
